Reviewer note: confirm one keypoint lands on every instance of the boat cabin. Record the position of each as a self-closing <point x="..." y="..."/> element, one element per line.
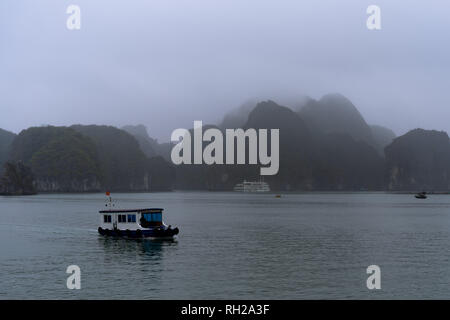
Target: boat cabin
<point x="131" y="219"/>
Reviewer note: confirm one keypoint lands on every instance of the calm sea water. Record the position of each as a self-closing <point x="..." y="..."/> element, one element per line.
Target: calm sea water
<point x="231" y="246"/>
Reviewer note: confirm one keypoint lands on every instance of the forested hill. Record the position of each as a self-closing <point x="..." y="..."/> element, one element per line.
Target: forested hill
<point x="88" y="158"/>
<point x="6" y="138"/>
<point x="61" y="159"/>
<point x="124" y="164"/>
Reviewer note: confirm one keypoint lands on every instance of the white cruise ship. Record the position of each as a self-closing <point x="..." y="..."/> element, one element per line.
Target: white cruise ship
<point x="252" y="186"/>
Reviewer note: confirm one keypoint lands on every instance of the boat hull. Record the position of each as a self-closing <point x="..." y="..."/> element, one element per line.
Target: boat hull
<point x="140" y="234"/>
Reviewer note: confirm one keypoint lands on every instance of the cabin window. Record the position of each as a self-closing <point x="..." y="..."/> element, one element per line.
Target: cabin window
<point x="153" y="217"/>
<point x="106" y="218"/>
<point x="122" y="218"/>
<point x="131" y="218"/>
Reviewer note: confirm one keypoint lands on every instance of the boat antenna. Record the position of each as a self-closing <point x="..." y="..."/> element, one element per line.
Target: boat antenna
<point x="109" y="200"/>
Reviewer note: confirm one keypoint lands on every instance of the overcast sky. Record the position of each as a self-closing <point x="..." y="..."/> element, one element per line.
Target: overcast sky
<point x="165" y="63"/>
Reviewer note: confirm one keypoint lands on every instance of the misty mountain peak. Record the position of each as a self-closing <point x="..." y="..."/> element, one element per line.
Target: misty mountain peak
<point x="334" y="113"/>
<point x="268" y="104"/>
<point x="237" y="117"/>
<point x="269" y="112"/>
<point x="137" y="130"/>
<point x="426" y="138"/>
<point x="339" y="103"/>
<point x="337" y="99"/>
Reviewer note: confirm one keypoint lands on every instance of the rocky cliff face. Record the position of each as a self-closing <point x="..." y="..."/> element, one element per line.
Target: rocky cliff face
<point x="54" y="185"/>
<point x="17" y="179"/>
<point x="346" y="164"/>
<point x="419" y="160"/>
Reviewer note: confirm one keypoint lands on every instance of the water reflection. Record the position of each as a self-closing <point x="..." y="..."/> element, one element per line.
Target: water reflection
<point x="150" y="248"/>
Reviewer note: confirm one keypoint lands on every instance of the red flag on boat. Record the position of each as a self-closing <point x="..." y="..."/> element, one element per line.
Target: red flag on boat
<point x="108" y="193"/>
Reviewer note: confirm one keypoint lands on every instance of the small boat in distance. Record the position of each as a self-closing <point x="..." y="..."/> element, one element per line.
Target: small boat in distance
<point x="421" y="195"/>
<point x="252" y="186"/>
<point x="135" y="223"/>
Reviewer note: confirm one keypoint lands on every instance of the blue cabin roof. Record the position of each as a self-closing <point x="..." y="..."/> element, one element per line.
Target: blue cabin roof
<point x="147" y="210"/>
